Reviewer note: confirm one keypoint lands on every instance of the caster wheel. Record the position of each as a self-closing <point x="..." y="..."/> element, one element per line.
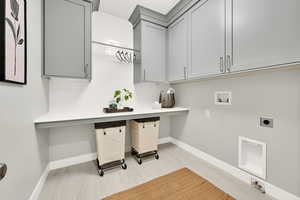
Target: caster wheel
<point x="101" y="173"/>
<point x="156" y="156"/>
<point x="124" y="166"/>
<point x="140" y="161"/>
<point x="133" y="152"/>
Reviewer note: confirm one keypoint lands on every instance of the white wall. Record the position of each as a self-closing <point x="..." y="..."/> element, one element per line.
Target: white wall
<point x="215" y="129"/>
<point x="83" y="96"/>
<point x="23" y="148"/>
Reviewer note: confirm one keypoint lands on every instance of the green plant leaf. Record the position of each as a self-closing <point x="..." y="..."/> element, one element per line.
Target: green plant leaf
<point x="126" y="98"/>
<point x="118" y="100"/>
<point x="117" y="93"/>
<point x="11" y="25"/>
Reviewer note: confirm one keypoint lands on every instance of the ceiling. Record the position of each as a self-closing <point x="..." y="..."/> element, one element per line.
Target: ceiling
<point x="124" y="8"/>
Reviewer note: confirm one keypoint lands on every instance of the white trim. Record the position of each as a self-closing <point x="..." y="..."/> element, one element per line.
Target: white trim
<point x="67" y="162"/>
<point x="86" y="158"/>
<point x="271" y="190"/>
<point x="164" y="140"/>
<point x="39" y="186"/>
<point x="214" y="161"/>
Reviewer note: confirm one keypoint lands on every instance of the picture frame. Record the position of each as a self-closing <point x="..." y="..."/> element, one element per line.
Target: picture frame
<point x="13" y="41"/>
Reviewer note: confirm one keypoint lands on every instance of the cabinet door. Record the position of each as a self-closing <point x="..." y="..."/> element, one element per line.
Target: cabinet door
<point x="137" y="38"/>
<point x="207" y="33"/>
<point x="153" y="52"/>
<point x="264" y="33"/>
<point x="178" y="49"/>
<point x="67" y="38"/>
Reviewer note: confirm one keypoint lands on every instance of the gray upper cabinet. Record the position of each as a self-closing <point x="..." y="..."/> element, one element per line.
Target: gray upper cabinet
<point x="138" y="76"/>
<point x="207" y="38"/>
<point x="67" y="38"/>
<point x="150" y="39"/>
<point x="268" y="38"/>
<point x="178" y="62"/>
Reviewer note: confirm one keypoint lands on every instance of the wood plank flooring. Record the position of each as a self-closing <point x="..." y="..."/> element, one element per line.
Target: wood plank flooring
<point x="82" y="182"/>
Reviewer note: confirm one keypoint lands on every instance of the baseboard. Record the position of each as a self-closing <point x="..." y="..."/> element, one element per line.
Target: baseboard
<point x="67" y="162"/>
<point x="164" y="140"/>
<point x="39" y="186"/>
<point x="271" y="190"/>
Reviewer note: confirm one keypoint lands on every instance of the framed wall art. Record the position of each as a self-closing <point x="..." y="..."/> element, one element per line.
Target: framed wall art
<point x="13" y="51"/>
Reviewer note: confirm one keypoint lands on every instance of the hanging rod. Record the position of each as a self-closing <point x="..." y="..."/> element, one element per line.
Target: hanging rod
<point x="111" y="45"/>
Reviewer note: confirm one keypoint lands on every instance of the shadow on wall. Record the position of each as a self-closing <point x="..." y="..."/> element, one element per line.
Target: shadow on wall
<point x="42" y="136"/>
<point x="147" y="93"/>
<point x="179" y="129"/>
<point x="71" y="141"/>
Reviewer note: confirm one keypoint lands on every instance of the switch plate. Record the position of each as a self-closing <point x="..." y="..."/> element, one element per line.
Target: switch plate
<point x="266" y="122"/>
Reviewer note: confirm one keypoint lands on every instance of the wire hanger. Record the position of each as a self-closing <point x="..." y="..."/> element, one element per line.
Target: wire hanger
<point x="123" y="54"/>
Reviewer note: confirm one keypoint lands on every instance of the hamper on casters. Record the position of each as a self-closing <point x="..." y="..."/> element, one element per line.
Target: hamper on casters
<point x="110" y="137"/>
<point x="144" y="137"/>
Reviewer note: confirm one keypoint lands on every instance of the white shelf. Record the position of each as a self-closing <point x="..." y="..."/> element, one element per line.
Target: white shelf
<point x="70" y="119"/>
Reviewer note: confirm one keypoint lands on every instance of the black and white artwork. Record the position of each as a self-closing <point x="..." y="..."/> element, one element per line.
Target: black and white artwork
<point x="13" y="41"/>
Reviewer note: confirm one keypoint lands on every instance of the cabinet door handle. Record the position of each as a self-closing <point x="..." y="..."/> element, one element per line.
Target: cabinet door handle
<point x="185" y="73"/>
<point x="228" y="63"/>
<point x="222" y="64"/>
<point x="144" y="75"/>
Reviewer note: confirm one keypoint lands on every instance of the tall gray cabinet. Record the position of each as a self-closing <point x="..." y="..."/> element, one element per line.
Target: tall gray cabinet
<point x="67" y="39"/>
<point x="178" y="48"/>
<point x="150" y="38"/>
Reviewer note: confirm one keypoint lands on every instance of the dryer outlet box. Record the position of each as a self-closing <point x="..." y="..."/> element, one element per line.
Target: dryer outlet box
<point x="266" y="122"/>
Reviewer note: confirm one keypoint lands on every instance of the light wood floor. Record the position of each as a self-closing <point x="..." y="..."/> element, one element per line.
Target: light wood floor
<point x="82" y="182"/>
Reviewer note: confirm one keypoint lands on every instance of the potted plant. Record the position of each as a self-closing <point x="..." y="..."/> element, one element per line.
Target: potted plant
<point x="120" y="96"/>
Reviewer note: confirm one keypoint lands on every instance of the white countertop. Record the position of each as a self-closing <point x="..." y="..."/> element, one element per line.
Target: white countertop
<point x="77" y="118"/>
